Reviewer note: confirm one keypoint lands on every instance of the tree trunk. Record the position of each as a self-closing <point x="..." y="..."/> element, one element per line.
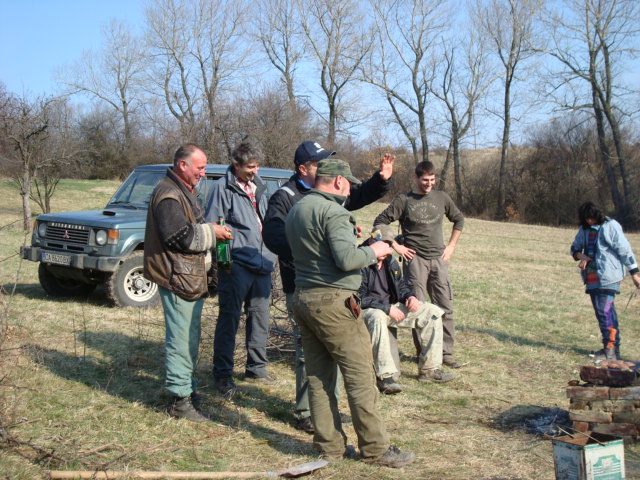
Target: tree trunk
<point x="502" y="176"/>
<point x="457" y="174"/>
<point x="25" y="192"/>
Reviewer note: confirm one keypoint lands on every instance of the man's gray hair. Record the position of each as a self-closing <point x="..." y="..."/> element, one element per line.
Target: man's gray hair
<point x="184" y="152"/>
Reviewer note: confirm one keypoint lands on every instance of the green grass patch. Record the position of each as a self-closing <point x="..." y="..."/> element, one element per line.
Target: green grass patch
<point x="81" y="382"/>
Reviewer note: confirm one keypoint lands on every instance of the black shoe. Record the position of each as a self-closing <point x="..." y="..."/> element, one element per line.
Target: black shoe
<point x="183" y="408"/>
<point x="349" y="453"/>
<point x="451" y="363"/>
<point x="305" y="424"/>
<point x="346" y="419"/>
<point x="388" y="386"/>
<point x="197" y="400"/>
<point x="266" y="380"/>
<point x="225" y="386"/>
<point x="394" y="458"/>
<point x="436" y="376"/>
<point x="610" y="354"/>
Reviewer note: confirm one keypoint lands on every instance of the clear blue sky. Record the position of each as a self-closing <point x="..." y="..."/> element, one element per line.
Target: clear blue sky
<point x="38" y="36"/>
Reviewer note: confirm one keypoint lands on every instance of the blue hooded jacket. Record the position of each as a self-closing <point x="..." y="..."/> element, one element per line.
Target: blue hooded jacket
<point x="613" y="252"/>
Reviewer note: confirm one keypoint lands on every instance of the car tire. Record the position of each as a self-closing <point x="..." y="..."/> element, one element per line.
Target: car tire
<point x="127" y="287"/>
<point x="63" y="287"/>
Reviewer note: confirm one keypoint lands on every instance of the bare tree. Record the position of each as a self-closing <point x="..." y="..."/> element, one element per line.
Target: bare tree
<point x="280" y="34"/>
<point x="402" y="65"/>
<point x="460" y="85"/>
<point x="196" y="46"/>
<point x="338" y="43"/>
<point x="510" y="27"/>
<point x="62" y="149"/>
<point x="29" y="128"/>
<point x="590" y="39"/>
<point x="113" y="76"/>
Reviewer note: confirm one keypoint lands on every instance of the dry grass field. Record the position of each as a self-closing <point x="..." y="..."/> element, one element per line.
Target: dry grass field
<point x="81" y="381"/>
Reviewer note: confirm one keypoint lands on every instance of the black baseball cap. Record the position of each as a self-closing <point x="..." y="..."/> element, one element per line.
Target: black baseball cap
<point x="310" y="151"/>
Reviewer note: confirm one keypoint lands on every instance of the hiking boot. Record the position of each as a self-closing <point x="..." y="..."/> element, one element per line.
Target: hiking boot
<point x="610" y="354"/>
<point x="225" y="386"/>
<point x="388" y="386"/>
<point x="305" y="424"/>
<point x="394" y="458"/>
<point x="436" y="375"/>
<point x="183" y="408"/>
<point x="197" y="400"/>
<point x="266" y="380"/>
<point x="346" y="419"/>
<point x="349" y="453"/>
<point x="452" y="363"/>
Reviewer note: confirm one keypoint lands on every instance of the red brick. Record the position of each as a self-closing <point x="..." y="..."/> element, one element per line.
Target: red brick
<point x="588" y="393"/>
<point x="596" y="416"/>
<point x="628" y="430"/>
<point x="626" y="417"/>
<point x="623" y="406"/>
<point x="627" y="393"/>
<point x="575" y="404"/>
<point x="604" y="405"/>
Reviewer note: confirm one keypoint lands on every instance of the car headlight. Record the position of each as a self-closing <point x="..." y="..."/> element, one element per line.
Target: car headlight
<point x="42" y="229"/>
<point x="101" y="237"/>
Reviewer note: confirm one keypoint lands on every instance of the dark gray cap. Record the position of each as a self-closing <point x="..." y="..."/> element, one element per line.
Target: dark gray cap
<point x="334" y="167"/>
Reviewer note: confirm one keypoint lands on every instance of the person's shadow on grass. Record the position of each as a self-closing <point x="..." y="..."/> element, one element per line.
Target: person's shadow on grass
<point x="133" y="369"/>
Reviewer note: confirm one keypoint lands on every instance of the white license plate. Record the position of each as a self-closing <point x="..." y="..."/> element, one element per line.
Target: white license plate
<point x="55" y="258"/>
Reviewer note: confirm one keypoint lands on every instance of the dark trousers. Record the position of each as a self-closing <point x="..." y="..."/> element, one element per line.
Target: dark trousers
<point x="607" y="318"/>
<point x="238" y="288"/>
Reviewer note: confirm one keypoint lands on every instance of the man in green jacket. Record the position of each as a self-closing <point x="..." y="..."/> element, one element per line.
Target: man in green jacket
<point x="323" y="236"/>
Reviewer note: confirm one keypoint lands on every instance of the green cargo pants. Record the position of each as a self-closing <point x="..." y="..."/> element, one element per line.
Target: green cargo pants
<point x="330" y="335"/>
<point x="182" y="341"/>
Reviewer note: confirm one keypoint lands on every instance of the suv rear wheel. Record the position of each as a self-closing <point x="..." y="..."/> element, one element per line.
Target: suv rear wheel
<point x="62" y="287"/>
<point x="127" y="287"/>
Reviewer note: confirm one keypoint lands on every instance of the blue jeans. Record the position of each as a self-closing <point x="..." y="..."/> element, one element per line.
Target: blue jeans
<point x="182" y="341"/>
<point x="235" y="289"/>
<point x="607" y="318"/>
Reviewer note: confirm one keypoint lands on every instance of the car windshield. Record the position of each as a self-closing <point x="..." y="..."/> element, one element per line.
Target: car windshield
<point x="136" y="189"/>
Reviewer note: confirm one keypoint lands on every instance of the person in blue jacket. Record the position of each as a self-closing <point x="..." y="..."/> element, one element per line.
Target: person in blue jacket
<point x="603" y="253"/>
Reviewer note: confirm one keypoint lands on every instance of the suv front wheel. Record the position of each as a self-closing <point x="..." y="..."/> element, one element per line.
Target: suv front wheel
<point x="62" y="286"/>
<point x="127" y="287"/>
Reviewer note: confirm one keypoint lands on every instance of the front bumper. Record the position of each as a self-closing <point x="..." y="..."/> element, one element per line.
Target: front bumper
<point x="80" y="261"/>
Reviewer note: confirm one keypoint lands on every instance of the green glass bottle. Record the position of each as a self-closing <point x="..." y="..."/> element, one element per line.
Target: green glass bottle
<point x="223" y="251"/>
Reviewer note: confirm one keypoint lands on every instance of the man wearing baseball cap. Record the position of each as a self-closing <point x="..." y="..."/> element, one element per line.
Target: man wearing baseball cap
<point x="322" y="235"/>
<point x="305" y="160"/>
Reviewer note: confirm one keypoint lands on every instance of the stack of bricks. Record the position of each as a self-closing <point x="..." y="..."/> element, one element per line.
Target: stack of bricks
<point x="610" y="410"/>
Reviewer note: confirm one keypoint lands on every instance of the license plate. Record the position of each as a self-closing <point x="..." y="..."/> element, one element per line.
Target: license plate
<point x="55" y="258"/>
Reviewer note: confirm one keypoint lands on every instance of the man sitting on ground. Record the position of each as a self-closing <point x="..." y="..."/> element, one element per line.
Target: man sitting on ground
<point x="390" y="302"/>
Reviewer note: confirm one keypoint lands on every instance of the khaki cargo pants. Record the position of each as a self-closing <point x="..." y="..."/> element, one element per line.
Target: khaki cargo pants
<point x="331" y="335"/>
